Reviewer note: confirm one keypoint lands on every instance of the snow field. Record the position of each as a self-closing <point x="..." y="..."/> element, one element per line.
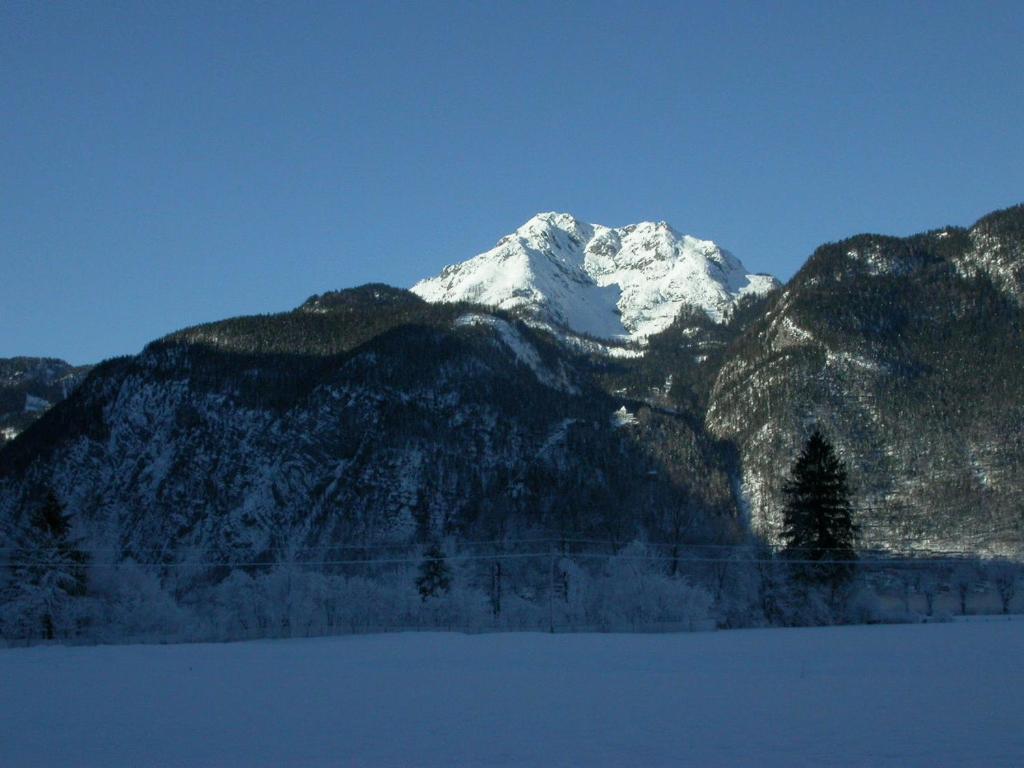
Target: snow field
<point x="904" y="695"/>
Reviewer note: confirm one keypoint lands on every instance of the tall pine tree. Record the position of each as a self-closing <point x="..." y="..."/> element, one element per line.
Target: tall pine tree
<point x="818" y="529"/>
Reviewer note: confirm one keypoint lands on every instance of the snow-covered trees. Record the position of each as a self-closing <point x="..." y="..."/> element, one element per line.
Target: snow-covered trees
<point x="634" y="592"/>
<point x="435" y="577"/>
<point x="48" y="577"/>
<point x="563" y="585"/>
<point x="130" y="604"/>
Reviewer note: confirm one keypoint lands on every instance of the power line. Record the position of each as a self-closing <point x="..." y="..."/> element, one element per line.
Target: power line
<point x="869" y="561"/>
<point x="775" y="547"/>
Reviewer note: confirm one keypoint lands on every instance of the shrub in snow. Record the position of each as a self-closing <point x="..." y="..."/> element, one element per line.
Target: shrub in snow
<point x="237" y="607"/>
<point x="862" y="606"/>
<point x="518" y="613"/>
<point x="130" y="604"/>
<point x="633" y="592"/>
<point x="459" y="608"/>
<point x="737" y="585"/>
<point x="435" y="576"/>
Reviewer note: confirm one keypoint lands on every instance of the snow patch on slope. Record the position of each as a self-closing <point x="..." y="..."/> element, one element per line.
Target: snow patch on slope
<point x="35" y="404"/>
<point x="524" y="352"/>
<point x="557" y="436"/>
<point x="590" y="346"/>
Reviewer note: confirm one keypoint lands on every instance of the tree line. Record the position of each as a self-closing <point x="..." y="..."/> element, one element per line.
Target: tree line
<point x="53" y="592"/>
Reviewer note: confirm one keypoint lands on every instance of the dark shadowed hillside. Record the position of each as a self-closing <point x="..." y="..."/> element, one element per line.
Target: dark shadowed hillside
<point x="31" y="385"/>
<point x="363" y="417"/>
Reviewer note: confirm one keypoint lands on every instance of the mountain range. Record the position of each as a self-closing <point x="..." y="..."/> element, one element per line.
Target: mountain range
<point x="575" y="379"/>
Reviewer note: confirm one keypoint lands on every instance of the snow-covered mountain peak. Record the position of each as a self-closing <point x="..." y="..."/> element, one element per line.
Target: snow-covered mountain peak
<point x="549" y="220"/>
<point x="624" y="282"/>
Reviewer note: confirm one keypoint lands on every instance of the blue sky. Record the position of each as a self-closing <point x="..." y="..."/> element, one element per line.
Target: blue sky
<point x="164" y="164"/>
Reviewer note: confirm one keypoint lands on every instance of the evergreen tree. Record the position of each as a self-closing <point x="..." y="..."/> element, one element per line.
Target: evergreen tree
<point x="47" y="572"/>
<point x="817" y="523"/>
<point x="435" y="576"/>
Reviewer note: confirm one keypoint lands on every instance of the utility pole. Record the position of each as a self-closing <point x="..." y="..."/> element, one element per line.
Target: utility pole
<point x="551" y="592"/>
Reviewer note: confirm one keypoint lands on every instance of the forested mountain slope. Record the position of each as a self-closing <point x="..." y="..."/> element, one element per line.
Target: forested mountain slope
<point x="363" y="417"/>
<point x="909" y="352"/>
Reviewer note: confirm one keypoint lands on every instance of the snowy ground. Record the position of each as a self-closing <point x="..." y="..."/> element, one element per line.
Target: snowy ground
<point x="925" y="695"/>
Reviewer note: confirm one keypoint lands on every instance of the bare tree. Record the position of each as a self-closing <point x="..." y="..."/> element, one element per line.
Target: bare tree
<point x="928" y="585"/>
<point x="965" y="576"/>
<point x="908" y="581"/>
<point x="1004" y="576"/>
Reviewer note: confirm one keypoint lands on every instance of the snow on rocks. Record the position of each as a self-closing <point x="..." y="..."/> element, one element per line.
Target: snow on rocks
<point x="623" y="418"/>
<point x="611" y="283"/>
<point x="35" y="404"/>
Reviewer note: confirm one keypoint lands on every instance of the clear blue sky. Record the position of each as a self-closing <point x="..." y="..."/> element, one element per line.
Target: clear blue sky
<point x="164" y="164"/>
